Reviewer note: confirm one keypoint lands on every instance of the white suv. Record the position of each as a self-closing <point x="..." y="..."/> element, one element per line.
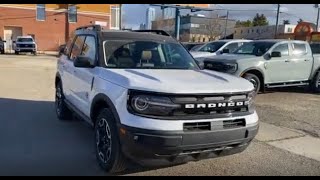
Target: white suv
<point x="217" y="47"/>
<point x="148" y="99"/>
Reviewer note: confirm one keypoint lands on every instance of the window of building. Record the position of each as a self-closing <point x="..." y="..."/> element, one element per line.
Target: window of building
<point x="72" y="13"/>
<point x="195" y="25"/>
<point x="115" y="18"/>
<point x="252" y="31"/>
<point x="248" y="31"/>
<point x="41" y="12"/>
<point x="283" y="49"/>
<point x="289" y="30"/>
<point x="235" y="32"/>
<point x="241" y="32"/>
<point x="257" y="30"/>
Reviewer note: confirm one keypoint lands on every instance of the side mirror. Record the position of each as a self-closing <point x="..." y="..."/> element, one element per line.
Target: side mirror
<point x="200" y="64"/>
<point x="225" y="51"/>
<point x="276" y="54"/>
<point x="4" y="41"/>
<point x="14" y="41"/>
<point x="83" y="62"/>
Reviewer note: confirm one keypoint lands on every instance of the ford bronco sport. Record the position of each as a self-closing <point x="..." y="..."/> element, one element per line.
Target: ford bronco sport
<point x="149" y="100"/>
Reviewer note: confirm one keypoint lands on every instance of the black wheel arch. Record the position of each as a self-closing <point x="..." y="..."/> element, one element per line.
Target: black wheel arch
<point x="103" y="101"/>
<point x="57" y="79"/>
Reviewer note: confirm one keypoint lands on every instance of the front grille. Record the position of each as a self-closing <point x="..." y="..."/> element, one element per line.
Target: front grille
<point x="214" y="125"/>
<point x="198" y="126"/>
<point x="25" y="45"/>
<point x="211" y="105"/>
<point x="234" y="123"/>
<point x="216" y="66"/>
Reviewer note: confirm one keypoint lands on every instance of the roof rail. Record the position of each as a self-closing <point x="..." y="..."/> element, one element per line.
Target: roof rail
<point x="90" y="27"/>
<point x="160" y="32"/>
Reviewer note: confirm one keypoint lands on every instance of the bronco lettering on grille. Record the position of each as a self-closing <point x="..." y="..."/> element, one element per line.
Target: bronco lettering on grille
<point x="215" y="105"/>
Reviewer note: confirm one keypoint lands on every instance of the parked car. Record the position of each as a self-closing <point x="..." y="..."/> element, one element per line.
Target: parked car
<point x="217" y="47"/>
<point x="2" y="46"/>
<point x="149" y="100"/>
<point x="190" y="45"/>
<point x="25" y="44"/>
<point x="271" y="63"/>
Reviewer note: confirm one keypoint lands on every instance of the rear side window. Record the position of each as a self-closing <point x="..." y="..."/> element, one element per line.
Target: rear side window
<point x="315" y="48"/>
<point x="232" y="47"/>
<point x="77" y="47"/>
<point x="299" y="49"/>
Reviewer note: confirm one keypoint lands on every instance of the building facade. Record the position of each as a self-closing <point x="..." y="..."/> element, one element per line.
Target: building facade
<point x="198" y="29"/>
<point x="262" y="32"/>
<point x="150" y="16"/>
<point x="49" y="24"/>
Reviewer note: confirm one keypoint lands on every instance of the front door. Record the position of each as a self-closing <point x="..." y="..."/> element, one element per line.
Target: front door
<point x="10" y="35"/>
<point x="301" y="61"/>
<point x="278" y="68"/>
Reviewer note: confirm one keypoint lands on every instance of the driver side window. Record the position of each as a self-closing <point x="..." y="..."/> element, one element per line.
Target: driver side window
<point x="283" y="49"/>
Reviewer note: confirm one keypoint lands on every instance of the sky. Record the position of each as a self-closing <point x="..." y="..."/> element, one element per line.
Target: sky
<point x="134" y="14"/>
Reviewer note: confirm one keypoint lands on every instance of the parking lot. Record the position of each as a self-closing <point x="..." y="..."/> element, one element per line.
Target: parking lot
<point x="34" y="142"/>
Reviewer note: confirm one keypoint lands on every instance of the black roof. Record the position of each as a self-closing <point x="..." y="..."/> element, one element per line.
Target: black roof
<point x="142" y="36"/>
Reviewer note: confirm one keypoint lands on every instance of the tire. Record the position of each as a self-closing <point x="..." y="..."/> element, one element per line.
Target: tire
<point x="254" y="80"/>
<point x="34" y="53"/>
<point x="2" y="52"/>
<point x="107" y="144"/>
<point x="316" y="83"/>
<point x="16" y="52"/>
<point x="62" y="111"/>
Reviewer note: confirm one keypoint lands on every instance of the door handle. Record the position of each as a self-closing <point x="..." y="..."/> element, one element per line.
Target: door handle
<point x="287" y="60"/>
<point x="306" y="60"/>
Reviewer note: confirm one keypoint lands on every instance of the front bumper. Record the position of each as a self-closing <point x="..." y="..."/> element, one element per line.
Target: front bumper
<point x="180" y="146"/>
<point x="25" y="49"/>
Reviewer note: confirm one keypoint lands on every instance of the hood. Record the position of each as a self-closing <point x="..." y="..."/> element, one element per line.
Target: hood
<point x="176" y="81"/>
<point x="198" y="54"/>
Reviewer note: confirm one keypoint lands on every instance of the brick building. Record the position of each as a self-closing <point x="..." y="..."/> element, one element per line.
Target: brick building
<point x="47" y="22"/>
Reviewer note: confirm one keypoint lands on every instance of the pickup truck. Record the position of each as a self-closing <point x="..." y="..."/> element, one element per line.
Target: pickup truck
<point x="147" y="99"/>
<point x="271" y="63"/>
<point x="25" y="44"/>
<point x="217" y="47"/>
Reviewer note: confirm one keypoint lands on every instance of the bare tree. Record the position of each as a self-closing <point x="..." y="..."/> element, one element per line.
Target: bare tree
<point x="214" y="27"/>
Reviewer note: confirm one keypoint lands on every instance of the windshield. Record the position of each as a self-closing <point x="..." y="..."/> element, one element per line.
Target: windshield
<point x="25" y="40"/>
<point x="128" y="54"/>
<point x="211" y="47"/>
<point x="254" y="48"/>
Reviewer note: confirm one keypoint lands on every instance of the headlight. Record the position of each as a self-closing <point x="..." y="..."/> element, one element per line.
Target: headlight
<point x="152" y="105"/>
<point x="231" y="67"/>
<point x="251" y="98"/>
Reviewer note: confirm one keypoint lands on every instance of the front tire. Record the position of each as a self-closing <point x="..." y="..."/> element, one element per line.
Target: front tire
<point x="16" y="52"/>
<point x="254" y="80"/>
<point x="107" y="143"/>
<point x="62" y="111"/>
<point x="316" y="83"/>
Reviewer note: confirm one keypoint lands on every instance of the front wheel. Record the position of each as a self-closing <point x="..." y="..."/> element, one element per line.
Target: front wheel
<point x="254" y="80"/>
<point x="107" y="143"/>
<point x="62" y="111"/>
<point x="316" y="83"/>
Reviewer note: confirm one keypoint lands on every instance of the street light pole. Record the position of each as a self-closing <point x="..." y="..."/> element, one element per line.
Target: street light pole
<point x="277" y="21"/>
<point x="177" y="25"/>
<point x="317" y="6"/>
<point x="120" y="16"/>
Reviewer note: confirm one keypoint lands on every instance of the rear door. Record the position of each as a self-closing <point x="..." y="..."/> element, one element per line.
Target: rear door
<point x="69" y="69"/>
<point x="83" y="78"/>
<point x="301" y="61"/>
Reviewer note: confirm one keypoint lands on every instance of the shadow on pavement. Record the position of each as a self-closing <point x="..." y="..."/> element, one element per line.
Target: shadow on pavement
<point x="34" y="142"/>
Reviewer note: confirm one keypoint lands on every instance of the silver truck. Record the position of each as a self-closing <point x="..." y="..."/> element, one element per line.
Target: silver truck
<point x="271" y="63"/>
<point x="25" y="44"/>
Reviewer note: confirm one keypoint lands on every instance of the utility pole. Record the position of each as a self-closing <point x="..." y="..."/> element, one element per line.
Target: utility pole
<point x="226" y="25"/>
<point x="66" y="24"/>
<point x="120" y="16"/>
<point x="277" y="21"/>
<point x="177" y="25"/>
<point x="317" y="6"/>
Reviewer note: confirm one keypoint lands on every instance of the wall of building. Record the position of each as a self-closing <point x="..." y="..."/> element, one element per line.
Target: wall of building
<point x="261" y="32"/>
<point x="50" y="33"/>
